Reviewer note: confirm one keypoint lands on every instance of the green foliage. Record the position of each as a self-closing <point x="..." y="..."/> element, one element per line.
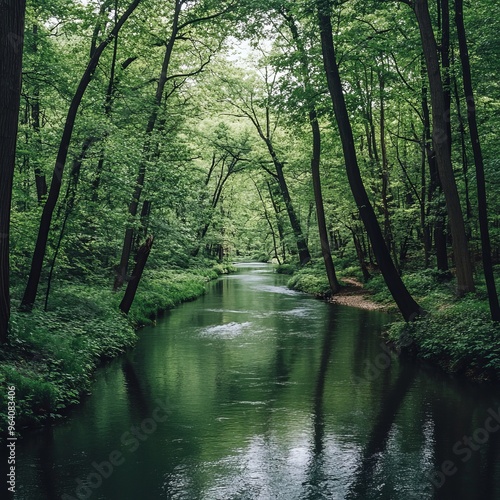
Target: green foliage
<point x="428" y="286"/>
<point x="459" y="337"/>
<point x="311" y="279"/>
<point x="50" y="356"/>
<point x="286" y="268"/>
<point x="164" y="290"/>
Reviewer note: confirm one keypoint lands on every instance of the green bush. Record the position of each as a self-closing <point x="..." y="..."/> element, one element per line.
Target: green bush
<point x="311" y="279"/>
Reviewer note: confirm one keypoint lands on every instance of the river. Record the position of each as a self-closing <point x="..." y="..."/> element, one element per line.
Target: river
<point x="255" y="391"/>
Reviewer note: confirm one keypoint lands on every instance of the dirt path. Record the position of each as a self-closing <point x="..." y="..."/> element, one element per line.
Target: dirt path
<point x="353" y="294"/>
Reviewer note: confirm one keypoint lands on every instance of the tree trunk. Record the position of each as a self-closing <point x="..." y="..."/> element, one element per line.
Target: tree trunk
<point x="441" y="140"/>
<point x="55" y="186"/>
<point x="304" y="255"/>
<point x="320" y="209"/>
<point x="142" y="257"/>
<point x="279" y="222"/>
<point x="141" y="174"/>
<point x="11" y="54"/>
<point x="407" y="305"/>
<point x="40" y="180"/>
<point x="478" y="159"/>
<point x="315" y="160"/>
<point x="434" y="185"/>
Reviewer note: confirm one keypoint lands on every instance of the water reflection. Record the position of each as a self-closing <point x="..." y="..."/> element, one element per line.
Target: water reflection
<point x="269" y="394"/>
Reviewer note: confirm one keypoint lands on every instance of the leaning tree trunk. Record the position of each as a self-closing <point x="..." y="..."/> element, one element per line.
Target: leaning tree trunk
<point x="441" y="141"/>
<point x="478" y="159"/>
<point x="320" y="210"/>
<point x="55" y="186"/>
<point x="315" y="159"/>
<point x="147" y="154"/>
<point x="434" y="185"/>
<point x="11" y="54"/>
<point x="142" y="257"/>
<point x="407" y="305"/>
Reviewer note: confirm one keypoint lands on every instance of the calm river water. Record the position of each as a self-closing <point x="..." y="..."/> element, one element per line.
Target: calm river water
<point x="255" y="391"/>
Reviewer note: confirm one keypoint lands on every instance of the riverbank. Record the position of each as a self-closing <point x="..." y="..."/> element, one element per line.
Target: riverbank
<point x="51" y="356"/>
<point x="456" y="334"/>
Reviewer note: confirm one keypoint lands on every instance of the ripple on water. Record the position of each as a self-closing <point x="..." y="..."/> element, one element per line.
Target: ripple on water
<point x="227" y="330"/>
<point x="283" y="290"/>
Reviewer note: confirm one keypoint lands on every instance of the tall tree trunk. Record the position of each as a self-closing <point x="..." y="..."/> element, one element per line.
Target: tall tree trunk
<point x="40" y="180"/>
<point x="315" y="159"/>
<point x="478" y="159"/>
<point x="142" y="257"/>
<point x="67" y="205"/>
<point x="279" y="222"/>
<point x="441" y="140"/>
<point x="11" y="54"/>
<point x="147" y="153"/>
<point x="389" y="239"/>
<point x="55" y="186"/>
<point x="304" y="255"/>
<point x="320" y="209"/>
<point x="434" y="184"/>
<point x="407" y="305"/>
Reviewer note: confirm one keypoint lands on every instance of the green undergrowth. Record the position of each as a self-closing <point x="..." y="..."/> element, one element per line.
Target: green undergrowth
<point x="459" y="337"/>
<point x="51" y="355"/>
<point x="312" y="277"/>
<point x="161" y="290"/>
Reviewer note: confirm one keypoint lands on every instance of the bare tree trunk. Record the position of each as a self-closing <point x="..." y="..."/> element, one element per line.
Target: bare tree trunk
<point x="315" y="159"/>
<point x="407" y="305"/>
<point x="142" y="257"/>
<point x="441" y="140"/>
<point x="11" y="54"/>
<point x="478" y="159"/>
<point x="40" y="180"/>
<point x="434" y="184"/>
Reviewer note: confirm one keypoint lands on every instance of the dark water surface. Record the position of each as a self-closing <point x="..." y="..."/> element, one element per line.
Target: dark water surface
<point x="255" y="391"/>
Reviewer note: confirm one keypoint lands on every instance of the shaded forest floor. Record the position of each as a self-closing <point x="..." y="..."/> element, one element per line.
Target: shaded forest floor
<point x="354" y="294"/>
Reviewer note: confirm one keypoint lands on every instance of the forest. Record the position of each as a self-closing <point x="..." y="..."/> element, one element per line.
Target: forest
<point x="146" y="145"/>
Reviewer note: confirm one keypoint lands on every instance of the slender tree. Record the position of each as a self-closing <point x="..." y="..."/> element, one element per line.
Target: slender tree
<point x="11" y="53"/>
<point x="316" y="154"/>
<point x="441" y="141"/>
<point x="478" y="160"/>
<point x="55" y="186"/>
<point x="407" y="305"/>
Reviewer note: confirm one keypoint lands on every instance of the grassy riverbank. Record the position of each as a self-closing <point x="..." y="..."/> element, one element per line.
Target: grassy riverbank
<point x="456" y="334"/>
<point x="52" y="355"/>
